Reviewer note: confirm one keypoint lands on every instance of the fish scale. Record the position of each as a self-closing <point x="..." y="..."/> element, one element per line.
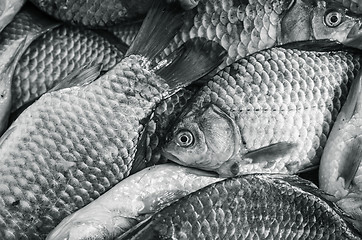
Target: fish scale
<point x="274" y="96"/>
<point x="54" y="55"/>
<point x="89" y="126"/>
<point x="249" y="207"/>
<point x="239" y="26"/>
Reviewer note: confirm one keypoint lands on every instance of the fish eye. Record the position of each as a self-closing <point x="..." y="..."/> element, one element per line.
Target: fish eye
<point x="333" y="18"/>
<point x="184" y="138"/>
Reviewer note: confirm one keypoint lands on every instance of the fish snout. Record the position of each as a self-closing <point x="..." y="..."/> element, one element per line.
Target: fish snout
<point x="354" y="37"/>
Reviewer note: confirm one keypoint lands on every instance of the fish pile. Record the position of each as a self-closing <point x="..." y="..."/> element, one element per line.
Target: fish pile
<point x="180" y="119"/>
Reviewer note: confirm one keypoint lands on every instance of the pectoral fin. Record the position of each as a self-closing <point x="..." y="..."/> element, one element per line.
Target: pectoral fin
<point x="79" y="77"/>
<point x="271" y="152"/>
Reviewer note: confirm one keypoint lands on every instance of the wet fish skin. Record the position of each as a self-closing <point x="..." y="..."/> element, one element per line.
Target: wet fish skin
<point x="74" y="144"/>
<point x="245" y="27"/>
<point x="98" y="13"/>
<point x="52" y="56"/>
<point x="250" y="207"/>
<point x="340" y="167"/>
<point x="94" y="13"/>
<point x="132" y="199"/>
<point x="270" y="112"/>
<point x="26" y="26"/>
<point x="8" y="9"/>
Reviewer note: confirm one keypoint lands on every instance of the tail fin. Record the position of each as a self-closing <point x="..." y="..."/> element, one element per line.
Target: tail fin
<point x="159" y="27"/>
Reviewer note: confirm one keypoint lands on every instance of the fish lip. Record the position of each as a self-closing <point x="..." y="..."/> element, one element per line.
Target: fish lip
<point x="171" y="156"/>
<point x="354" y="36"/>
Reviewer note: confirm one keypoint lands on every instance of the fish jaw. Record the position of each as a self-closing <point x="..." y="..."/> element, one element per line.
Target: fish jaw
<point x="354" y="38"/>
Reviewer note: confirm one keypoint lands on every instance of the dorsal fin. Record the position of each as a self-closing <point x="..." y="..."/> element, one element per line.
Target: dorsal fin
<point x="159" y="27"/>
<point x="193" y="60"/>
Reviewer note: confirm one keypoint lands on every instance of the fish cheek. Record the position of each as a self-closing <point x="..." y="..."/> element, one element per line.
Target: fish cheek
<point x="219" y="135"/>
<point x="295" y="25"/>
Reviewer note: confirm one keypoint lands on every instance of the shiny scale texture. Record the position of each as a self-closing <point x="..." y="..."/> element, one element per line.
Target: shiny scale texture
<point x="54" y="55"/>
<point x="126" y="32"/>
<point x="283" y="95"/>
<point x="21" y="26"/>
<point x="94" y="13"/>
<point x="241" y="27"/>
<point x="71" y="146"/>
<point x="251" y="207"/>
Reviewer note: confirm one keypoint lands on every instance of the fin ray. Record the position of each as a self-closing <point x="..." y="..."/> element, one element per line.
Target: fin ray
<point x="271" y="152"/>
<point x="159" y="27"/>
<point x="192" y="61"/>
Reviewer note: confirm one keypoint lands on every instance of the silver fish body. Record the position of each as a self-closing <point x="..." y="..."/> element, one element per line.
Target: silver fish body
<point x="269" y="112"/>
<point x="135" y="197"/>
<point x="250" y="207"/>
<point x="55" y="54"/>
<point x="26" y="26"/>
<point x="245" y="27"/>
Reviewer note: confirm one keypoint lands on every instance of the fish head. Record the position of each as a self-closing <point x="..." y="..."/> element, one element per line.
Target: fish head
<point x="203" y="139"/>
<point x="318" y="20"/>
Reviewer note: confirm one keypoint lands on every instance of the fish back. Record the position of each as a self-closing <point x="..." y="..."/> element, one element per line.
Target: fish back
<point x="54" y="55"/>
<point x="283" y="95"/>
<point x="249" y="207"/>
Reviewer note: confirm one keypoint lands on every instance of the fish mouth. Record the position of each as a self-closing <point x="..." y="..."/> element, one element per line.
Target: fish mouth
<point x="171" y="157"/>
<point x="354" y="37"/>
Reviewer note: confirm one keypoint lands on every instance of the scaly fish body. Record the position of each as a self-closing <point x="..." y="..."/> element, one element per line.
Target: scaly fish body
<point x="75" y="143"/>
<point x="245" y="27"/>
<point x="8" y="10"/>
<point x="250" y="207"/>
<point x="94" y="13"/>
<point x="26" y="26"/>
<point x="132" y="199"/>
<point x="100" y="13"/>
<point x="52" y="56"/>
<point x="269" y="112"/>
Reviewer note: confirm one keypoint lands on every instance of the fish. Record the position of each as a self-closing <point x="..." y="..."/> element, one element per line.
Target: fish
<point x="340" y="171"/>
<point x="8" y="10"/>
<point x="100" y="14"/>
<point x="131" y="200"/>
<point x="270" y="112"/>
<point x="241" y="27"/>
<point x="79" y="140"/>
<point x="249" y="207"/>
<point x="26" y="26"/>
<point x="244" y="27"/>
<point x="57" y="53"/>
<point x="354" y="6"/>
